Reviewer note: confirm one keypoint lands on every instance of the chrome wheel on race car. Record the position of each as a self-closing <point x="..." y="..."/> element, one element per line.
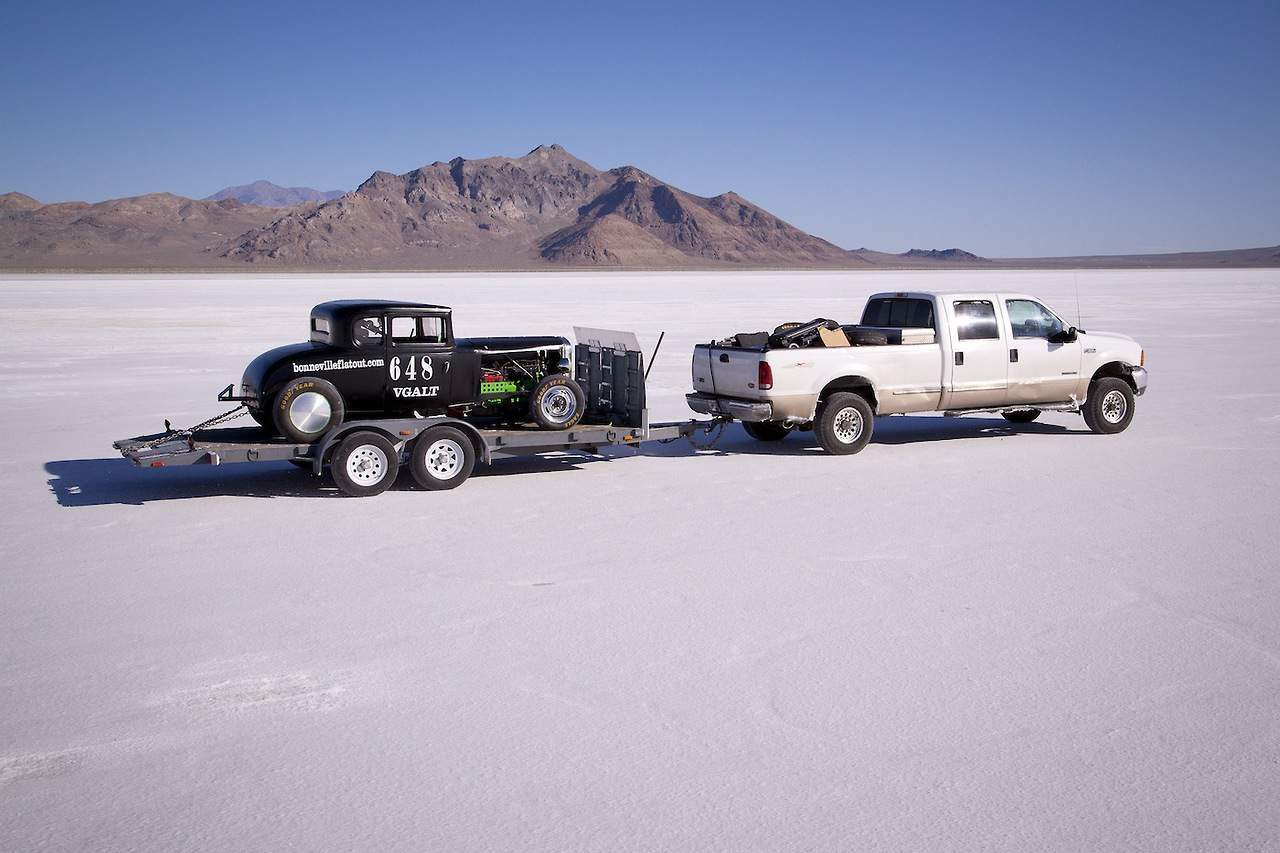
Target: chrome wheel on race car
<point x="558" y="405"/>
<point x="310" y="412"/>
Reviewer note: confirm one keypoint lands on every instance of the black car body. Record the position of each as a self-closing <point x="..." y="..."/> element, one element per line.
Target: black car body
<point x="401" y="358"/>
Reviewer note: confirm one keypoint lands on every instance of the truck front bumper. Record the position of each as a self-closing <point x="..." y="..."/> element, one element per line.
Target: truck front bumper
<point x="740" y="410"/>
<point x="1139" y="375"/>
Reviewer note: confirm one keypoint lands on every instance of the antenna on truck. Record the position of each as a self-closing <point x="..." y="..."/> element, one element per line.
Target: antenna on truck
<point x="1076" y="278"/>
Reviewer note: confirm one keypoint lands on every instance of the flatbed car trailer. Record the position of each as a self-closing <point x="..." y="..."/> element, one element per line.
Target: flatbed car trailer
<point x="365" y="456"/>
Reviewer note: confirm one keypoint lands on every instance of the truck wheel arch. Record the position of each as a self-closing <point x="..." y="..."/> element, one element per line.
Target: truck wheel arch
<point x="1117" y="369"/>
<point x="859" y="385"/>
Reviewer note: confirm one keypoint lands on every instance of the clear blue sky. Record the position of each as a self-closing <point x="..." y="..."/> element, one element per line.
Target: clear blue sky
<point x="1007" y="129"/>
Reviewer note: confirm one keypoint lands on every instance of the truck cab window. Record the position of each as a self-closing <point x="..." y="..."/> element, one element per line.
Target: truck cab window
<point x="367" y="331"/>
<point x="975" y="320"/>
<point x="899" y="313"/>
<point x="417" y="330"/>
<point x="1031" y="319"/>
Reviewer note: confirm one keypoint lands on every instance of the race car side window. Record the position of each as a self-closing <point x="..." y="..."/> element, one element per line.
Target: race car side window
<point x="417" y="330"/>
<point x="367" y="331"/>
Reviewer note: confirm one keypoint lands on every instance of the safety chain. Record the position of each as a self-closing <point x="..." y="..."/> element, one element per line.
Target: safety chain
<point x="175" y="434"/>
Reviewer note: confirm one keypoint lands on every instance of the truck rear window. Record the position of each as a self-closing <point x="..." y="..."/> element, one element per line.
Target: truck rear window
<point x="899" y="313"/>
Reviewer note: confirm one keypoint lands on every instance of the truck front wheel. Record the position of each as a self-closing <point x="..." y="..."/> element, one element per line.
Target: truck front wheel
<point x="365" y="464"/>
<point x="845" y="424"/>
<point x="1109" y="406"/>
<point x="441" y="458"/>
<point x="557" y="402"/>
<point x="766" y="430"/>
<point x="306" y="408"/>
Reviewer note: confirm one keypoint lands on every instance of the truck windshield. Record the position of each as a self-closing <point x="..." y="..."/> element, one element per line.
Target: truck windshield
<point x="899" y="313"/>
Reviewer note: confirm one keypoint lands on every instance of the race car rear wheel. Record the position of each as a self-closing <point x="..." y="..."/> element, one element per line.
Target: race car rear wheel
<point x="365" y="464"/>
<point x="306" y="408"/>
<point x="441" y="458"/>
<point x="557" y="402"/>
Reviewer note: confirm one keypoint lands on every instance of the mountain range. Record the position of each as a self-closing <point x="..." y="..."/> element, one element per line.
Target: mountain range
<point x="267" y="194"/>
<point x="547" y="209"/>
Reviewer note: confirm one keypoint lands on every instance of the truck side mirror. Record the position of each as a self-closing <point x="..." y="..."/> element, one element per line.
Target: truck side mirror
<point x="1066" y="336"/>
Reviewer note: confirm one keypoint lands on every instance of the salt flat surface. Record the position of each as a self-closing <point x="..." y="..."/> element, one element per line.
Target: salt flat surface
<point x="966" y="637"/>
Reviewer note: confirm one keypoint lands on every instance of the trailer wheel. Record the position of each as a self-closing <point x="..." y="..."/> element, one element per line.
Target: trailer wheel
<point x="557" y="402"/>
<point x="1024" y="416"/>
<point x="441" y="458"/>
<point x="365" y="464"/>
<point x="306" y="408"/>
<point x="845" y="423"/>
<point x="766" y="430"/>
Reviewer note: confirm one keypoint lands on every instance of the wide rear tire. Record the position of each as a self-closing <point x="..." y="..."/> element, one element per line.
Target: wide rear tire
<point x="306" y="408"/>
<point x="845" y="424"/>
<point x="365" y="464"/>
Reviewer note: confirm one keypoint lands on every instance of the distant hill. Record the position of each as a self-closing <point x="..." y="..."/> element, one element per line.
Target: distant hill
<point x="267" y="194"/>
<point x="545" y="210"/>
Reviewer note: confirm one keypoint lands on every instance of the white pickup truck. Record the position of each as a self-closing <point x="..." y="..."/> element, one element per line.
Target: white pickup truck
<point x="918" y="352"/>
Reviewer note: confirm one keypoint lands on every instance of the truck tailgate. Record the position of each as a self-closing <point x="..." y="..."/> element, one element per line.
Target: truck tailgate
<point x="727" y="371"/>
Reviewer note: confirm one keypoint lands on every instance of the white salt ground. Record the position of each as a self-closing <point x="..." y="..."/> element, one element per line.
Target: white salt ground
<point x="969" y="636"/>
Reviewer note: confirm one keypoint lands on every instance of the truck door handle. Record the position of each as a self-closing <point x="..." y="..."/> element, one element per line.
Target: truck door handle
<point x="959" y="359"/>
<point x="724" y="356"/>
<point x="1013" y="356"/>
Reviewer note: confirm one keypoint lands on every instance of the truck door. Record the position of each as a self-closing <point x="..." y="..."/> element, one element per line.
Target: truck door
<point x="979" y="372"/>
<point x="1040" y="371"/>
<point x="418" y="369"/>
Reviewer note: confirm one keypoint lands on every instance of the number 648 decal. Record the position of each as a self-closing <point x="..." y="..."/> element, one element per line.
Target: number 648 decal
<point x="412" y="368"/>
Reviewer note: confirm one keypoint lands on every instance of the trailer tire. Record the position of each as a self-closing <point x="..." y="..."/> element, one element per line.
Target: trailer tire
<point x="365" y="464"/>
<point x="557" y="402"/>
<point x="441" y="458"/>
<point x="766" y="430"/>
<point x="1109" y="407"/>
<point x="845" y="424"/>
<point x="1024" y="416"/>
<point x="306" y="408"/>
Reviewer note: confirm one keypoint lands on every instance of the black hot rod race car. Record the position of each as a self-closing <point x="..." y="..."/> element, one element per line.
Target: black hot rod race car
<point x="375" y="358"/>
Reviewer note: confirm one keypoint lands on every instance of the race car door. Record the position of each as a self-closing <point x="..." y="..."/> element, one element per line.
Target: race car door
<point x="418" y="364"/>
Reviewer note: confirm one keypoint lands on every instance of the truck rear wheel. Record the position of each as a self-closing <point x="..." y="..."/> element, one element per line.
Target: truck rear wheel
<point x="441" y="458"/>
<point x="1025" y="416"/>
<point x="557" y="402"/>
<point x="766" y="430"/>
<point x="1109" y="406"/>
<point x="845" y="424"/>
<point x="306" y="408"/>
<point x="365" y="464"/>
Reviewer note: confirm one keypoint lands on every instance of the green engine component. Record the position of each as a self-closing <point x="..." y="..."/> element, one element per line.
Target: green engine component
<point x="499" y="388"/>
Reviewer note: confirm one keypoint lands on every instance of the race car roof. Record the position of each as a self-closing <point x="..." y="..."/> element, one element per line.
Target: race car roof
<point x="343" y="309"/>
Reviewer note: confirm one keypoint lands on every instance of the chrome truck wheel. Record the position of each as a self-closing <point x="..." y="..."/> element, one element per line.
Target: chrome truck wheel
<point x="844" y="423"/>
<point x="1109" y="408"/>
